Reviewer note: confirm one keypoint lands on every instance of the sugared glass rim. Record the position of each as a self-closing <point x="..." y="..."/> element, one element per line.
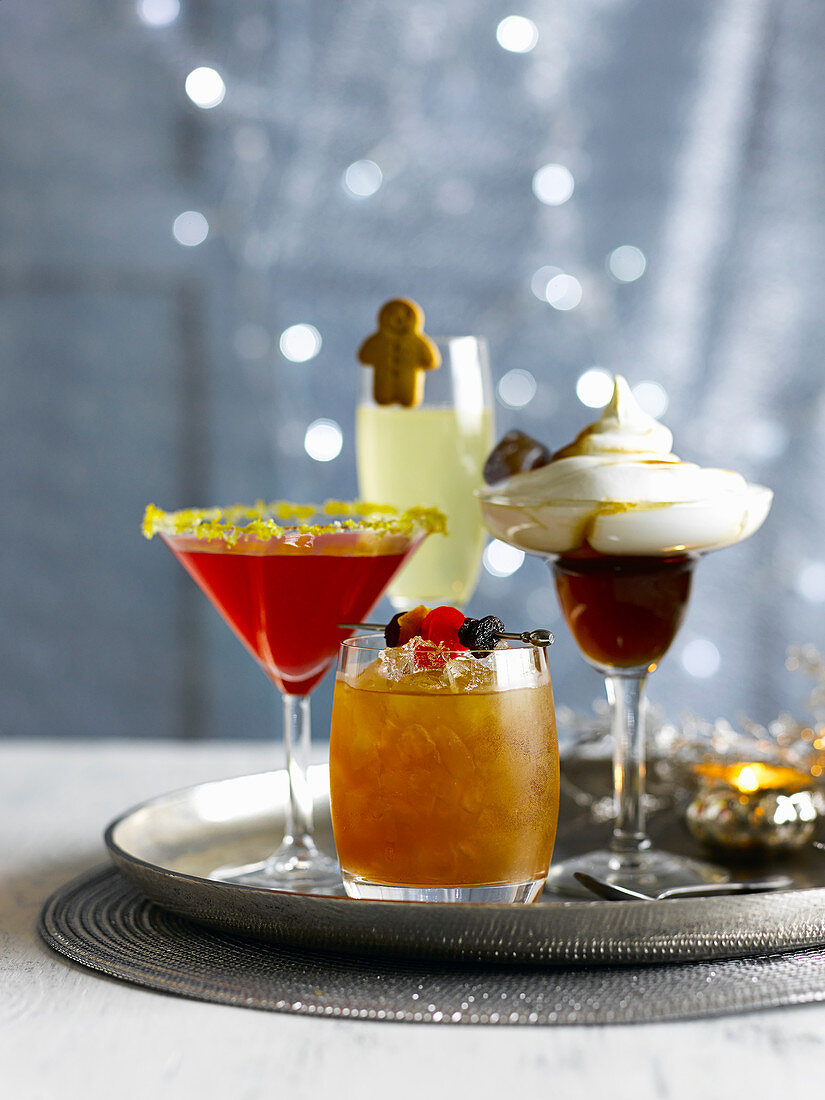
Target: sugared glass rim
<point x="260" y="520"/>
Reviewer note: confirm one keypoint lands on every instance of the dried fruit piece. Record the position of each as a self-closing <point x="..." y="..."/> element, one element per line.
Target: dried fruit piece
<point x="481" y="633"/>
<point x="392" y="631"/>
<point x="405" y="625"/>
<point x="515" y="453"/>
<point x="442" y="625"/>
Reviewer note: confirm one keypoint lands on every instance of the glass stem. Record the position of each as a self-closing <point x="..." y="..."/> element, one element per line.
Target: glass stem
<point x="625" y="693"/>
<point x="298" y="746"/>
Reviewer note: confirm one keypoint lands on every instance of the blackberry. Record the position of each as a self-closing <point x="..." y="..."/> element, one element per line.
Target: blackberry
<point x="477" y="634"/>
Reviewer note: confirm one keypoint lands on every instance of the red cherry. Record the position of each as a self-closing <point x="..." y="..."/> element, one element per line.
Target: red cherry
<point x="442" y="625"/>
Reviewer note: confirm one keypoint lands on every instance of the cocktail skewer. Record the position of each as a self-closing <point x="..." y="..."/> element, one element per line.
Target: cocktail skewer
<point x="533" y="637"/>
<point x="539" y="637"/>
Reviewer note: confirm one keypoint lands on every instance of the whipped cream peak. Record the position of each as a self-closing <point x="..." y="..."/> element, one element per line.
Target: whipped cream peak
<point x="622" y="429"/>
<point x="618" y="489"/>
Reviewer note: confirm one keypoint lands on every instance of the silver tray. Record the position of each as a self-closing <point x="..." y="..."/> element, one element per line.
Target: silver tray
<point x="167" y="847"/>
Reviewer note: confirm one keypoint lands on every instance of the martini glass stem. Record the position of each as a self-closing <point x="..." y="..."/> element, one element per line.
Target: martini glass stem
<point x="298" y="747"/>
<point x="625" y="693"/>
<point x="297" y="863"/>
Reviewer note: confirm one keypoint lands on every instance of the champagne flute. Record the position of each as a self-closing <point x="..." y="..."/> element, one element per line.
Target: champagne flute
<point x="433" y="454"/>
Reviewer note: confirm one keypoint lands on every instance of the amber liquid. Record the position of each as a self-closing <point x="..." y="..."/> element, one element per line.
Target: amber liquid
<point x="444" y="789"/>
<point x="623" y="611"/>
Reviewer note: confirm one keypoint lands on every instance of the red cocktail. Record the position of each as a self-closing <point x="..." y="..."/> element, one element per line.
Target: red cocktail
<point x="265" y="589"/>
<point x="283" y="590"/>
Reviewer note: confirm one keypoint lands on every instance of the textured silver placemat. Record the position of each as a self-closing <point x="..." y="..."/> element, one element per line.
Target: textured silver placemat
<point x="101" y="922"/>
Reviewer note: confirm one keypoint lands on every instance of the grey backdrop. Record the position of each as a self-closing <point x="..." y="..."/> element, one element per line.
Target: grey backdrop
<point x="135" y="369"/>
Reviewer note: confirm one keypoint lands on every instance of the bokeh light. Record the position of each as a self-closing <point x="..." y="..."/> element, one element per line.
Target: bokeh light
<point x="540" y="279"/>
<point x="626" y="263"/>
<point x="517" y="34"/>
<point x="652" y="398"/>
<point x="810" y="582"/>
<point x="594" y="388"/>
<point x="765" y="440"/>
<point x="517" y="388"/>
<point x="553" y="184"/>
<point x="205" y="87"/>
<point x="362" y="179"/>
<point x="501" y="560"/>
<point x="564" y="292"/>
<point x="190" y="228"/>
<point x="700" y="658"/>
<point x="158" y="13"/>
<point x="300" y="342"/>
<point x="323" y="440"/>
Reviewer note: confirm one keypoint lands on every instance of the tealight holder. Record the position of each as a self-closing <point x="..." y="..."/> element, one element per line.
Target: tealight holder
<point x="753" y="808"/>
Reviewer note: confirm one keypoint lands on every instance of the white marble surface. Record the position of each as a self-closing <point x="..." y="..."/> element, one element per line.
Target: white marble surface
<point x="67" y="1032"/>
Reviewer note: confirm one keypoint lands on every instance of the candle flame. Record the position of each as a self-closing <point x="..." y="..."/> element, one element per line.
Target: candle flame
<point x="747" y="781"/>
<point x="747" y="778"/>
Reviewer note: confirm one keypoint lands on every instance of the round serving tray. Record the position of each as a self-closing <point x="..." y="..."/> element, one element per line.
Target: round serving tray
<point x="168" y="846"/>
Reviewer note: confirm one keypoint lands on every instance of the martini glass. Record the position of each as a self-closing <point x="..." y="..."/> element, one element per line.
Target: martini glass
<point x="623" y="592"/>
<point x="283" y="576"/>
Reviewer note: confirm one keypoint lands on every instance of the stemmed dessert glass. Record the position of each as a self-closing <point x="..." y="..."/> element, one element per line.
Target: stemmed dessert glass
<point x="433" y="453"/>
<point x="283" y="576"/>
<point x="624" y="603"/>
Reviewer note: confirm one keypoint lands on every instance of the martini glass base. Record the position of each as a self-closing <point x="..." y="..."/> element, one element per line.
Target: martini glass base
<point x="648" y="872"/>
<point x="298" y="866"/>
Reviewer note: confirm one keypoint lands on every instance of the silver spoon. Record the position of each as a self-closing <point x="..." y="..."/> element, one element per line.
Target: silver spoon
<point x="611" y="892"/>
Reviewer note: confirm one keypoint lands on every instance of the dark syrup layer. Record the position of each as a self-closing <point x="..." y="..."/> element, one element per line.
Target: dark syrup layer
<point x="623" y="611"/>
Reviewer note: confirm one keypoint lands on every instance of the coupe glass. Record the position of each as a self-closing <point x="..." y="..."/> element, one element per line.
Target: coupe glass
<point x="433" y="454"/>
<point x="624" y="609"/>
<point x="283" y="576"/>
<point x="444" y="777"/>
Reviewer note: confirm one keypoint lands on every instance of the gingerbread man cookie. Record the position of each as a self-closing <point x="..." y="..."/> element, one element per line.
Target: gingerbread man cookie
<point x="399" y="353"/>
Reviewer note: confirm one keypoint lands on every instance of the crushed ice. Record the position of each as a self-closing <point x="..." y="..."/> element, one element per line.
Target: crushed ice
<point x="435" y="667"/>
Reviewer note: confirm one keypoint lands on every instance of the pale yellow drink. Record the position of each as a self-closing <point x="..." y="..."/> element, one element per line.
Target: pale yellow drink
<point x="431" y="456"/>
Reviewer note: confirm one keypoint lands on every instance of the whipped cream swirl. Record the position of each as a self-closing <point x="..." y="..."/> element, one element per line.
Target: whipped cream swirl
<point x="619" y="489"/>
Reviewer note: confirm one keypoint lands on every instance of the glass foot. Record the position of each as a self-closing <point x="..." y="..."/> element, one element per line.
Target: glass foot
<point x="504" y="893"/>
<point x="648" y="872"/>
<point x="298" y="865"/>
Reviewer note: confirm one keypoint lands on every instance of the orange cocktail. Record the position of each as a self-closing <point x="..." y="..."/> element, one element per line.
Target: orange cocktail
<point x="444" y="772"/>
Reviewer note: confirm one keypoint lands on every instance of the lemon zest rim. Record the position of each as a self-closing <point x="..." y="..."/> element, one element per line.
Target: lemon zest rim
<point x="259" y="520"/>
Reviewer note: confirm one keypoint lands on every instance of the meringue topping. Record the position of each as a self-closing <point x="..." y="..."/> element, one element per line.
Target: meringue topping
<point x="619" y="488"/>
